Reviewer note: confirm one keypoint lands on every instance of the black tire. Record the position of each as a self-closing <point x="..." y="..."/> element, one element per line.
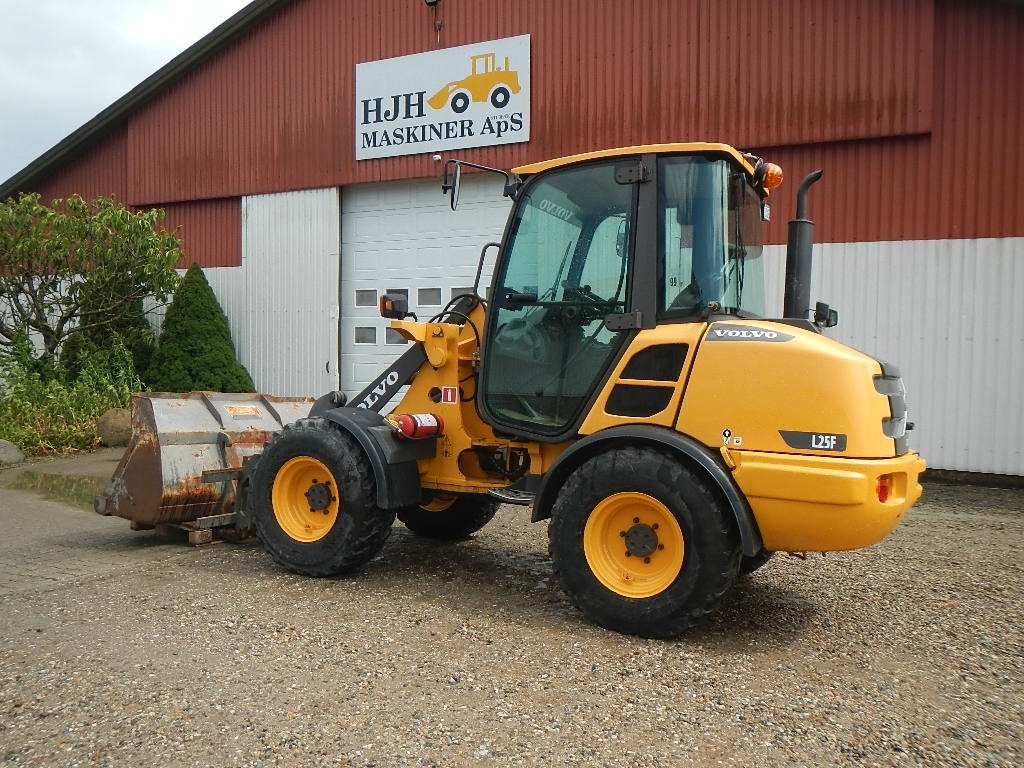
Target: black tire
<point x="500" y="97"/>
<point x="465" y="515"/>
<point x="347" y="530"/>
<point x="678" y="573"/>
<point x="460" y="102"/>
<point x="750" y="564"/>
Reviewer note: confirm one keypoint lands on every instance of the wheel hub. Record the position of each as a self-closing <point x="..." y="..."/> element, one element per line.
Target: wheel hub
<point x="319" y="496"/>
<point x="641" y="540"/>
<point x="304" y="498"/>
<point x="633" y="544"/>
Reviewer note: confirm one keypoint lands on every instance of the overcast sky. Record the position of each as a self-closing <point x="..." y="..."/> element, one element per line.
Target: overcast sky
<point x="64" y="61"/>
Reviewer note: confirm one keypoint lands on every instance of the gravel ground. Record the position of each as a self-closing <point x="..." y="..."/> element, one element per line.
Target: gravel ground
<point x="121" y="649"/>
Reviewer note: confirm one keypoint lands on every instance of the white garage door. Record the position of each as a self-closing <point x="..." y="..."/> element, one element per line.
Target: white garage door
<point x="404" y="237"/>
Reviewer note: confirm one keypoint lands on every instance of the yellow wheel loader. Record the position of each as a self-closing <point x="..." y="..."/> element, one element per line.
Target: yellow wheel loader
<point x="621" y="380"/>
<point x="486" y="82"/>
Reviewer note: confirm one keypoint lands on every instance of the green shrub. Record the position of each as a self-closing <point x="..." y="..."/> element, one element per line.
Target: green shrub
<point x="79" y="269"/>
<point x="132" y="331"/>
<point x="195" y="350"/>
<point x="44" y="415"/>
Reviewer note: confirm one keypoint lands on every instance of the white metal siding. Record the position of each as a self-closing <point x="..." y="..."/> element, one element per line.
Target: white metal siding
<point x="404" y="235"/>
<point x="282" y="303"/>
<point x="950" y="315"/>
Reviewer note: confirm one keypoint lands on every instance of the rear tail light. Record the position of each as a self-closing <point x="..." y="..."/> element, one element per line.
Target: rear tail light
<point x="884" y="488"/>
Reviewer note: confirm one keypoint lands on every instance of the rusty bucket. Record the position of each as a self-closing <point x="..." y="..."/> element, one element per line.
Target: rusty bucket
<point x="176" y="468"/>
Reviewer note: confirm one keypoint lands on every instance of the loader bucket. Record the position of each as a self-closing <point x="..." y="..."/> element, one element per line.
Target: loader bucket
<point x="176" y="438"/>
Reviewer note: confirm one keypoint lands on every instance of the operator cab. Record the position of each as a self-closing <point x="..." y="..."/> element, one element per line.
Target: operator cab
<point x="599" y="247"/>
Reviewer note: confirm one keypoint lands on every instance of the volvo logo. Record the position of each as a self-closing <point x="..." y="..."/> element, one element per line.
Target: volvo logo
<point x="378" y="391"/>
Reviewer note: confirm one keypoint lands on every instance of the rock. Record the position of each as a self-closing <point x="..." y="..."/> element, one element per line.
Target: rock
<point x="9" y="453"/>
<point x="115" y="427"/>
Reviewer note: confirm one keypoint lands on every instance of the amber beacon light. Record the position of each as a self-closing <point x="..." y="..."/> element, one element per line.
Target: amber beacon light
<point x="772" y="176"/>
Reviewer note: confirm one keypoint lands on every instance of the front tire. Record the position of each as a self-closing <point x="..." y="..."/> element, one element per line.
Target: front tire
<point x="313" y="500"/>
<point x="641" y="543"/>
<point x="449" y="517"/>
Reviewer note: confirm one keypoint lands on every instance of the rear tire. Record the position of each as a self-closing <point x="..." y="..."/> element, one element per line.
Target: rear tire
<point x="682" y="543"/>
<point x="450" y="518"/>
<point x="313" y="501"/>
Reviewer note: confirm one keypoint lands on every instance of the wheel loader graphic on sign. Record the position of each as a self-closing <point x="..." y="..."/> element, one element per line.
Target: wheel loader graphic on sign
<point x="487" y="82"/>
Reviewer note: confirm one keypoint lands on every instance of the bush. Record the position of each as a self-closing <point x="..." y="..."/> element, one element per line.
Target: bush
<point x="195" y="350"/>
<point x="132" y="331"/>
<point x="79" y="269"/>
<point x="43" y="414"/>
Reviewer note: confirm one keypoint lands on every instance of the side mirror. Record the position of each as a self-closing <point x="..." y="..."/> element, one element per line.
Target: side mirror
<point x="622" y="239"/>
<point x="452" y="181"/>
<point x="825" y="316"/>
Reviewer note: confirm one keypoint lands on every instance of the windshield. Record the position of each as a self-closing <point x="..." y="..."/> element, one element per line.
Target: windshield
<point x="710" y="238"/>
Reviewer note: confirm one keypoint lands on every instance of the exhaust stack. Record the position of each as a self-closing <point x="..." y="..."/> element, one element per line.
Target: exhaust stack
<point x="797" y="298"/>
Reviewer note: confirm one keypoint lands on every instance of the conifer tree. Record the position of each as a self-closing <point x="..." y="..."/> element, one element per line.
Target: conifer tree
<point x="195" y="350"/>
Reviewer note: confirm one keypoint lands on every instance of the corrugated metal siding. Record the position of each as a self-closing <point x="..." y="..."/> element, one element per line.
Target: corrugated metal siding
<point x="948" y="314"/>
<point x="102" y="172"/>
<point x="962" y="180"/>
<point x="290" y="263"/>
<point x="210" y="231"/>
<point x="274" y="110"/>
<point x="911" y="104"/>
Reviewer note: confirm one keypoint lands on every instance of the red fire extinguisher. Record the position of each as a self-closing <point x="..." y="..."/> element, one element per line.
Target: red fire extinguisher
<point x="416" y="426"/>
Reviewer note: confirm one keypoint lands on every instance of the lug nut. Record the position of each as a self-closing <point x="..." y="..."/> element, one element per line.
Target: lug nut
<point x="628" y="553"/>
<point x="655" y="526"/>
<point x="622" y="534"/>
<point x="647" y="559"/>
<point x="636" y="520"/>
<point x="661" y="546"/>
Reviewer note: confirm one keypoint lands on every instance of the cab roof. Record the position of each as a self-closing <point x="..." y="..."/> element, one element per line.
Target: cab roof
<point x="682" y="148"/>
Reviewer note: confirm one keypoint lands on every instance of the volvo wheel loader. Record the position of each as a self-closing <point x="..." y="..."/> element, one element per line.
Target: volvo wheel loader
<point x="621" y="380"/>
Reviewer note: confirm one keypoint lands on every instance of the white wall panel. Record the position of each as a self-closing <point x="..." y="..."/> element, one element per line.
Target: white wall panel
<point x="950" y="315"/>
<point x="290" y="254"/>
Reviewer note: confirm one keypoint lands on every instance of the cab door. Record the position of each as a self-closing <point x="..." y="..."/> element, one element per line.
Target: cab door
<point x="564" y="268"/>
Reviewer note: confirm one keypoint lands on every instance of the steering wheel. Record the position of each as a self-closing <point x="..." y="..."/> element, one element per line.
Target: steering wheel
<point x="521" y="340"/>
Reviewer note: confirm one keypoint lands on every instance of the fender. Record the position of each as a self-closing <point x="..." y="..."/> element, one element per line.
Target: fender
<point x="694" y="453"/>
<point x="393" y="461"/>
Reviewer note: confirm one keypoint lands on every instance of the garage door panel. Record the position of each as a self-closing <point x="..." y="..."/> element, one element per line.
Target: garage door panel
<point x="404" y="236"/>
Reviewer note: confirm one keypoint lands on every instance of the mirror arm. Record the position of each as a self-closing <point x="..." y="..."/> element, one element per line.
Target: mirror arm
<point x="452" y="171"/>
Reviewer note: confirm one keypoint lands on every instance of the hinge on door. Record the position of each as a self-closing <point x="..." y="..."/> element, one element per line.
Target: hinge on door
<point x="631" y="174"/>
<point x="618" y="321"/>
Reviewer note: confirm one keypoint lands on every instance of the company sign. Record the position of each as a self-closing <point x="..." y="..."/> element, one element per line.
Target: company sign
<point x="471" y="96"/>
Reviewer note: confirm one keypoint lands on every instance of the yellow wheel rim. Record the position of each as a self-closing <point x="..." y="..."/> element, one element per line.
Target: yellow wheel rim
<point x="305" y="499"/>
<point x="439" y="503"/>
<point x="634" y="545"/>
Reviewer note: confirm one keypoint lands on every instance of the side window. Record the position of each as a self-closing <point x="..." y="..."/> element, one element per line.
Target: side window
<point x="692" y="201"/>
<point x="678" y="243"/>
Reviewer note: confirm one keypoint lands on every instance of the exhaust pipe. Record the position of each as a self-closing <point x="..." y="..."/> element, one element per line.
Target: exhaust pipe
<point x="797" y="298"/>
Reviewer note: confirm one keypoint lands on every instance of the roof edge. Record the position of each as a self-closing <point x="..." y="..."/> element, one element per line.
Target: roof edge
<point x="182" y="64"/>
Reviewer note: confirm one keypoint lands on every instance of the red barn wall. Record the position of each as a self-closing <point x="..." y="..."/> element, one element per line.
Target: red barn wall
<point x="910" y="106"/>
